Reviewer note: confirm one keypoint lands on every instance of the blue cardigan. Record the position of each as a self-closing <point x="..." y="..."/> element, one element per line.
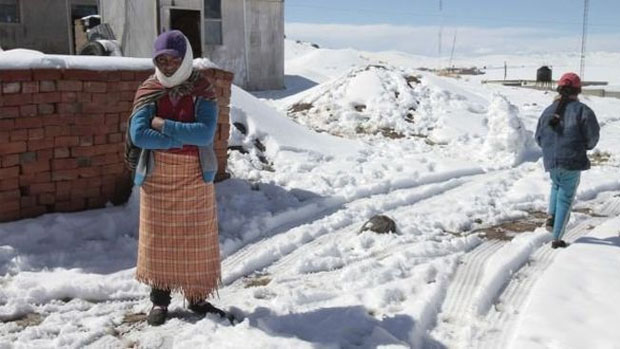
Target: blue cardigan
<point x="175" y="134"/>
<point x="566" y="146"/>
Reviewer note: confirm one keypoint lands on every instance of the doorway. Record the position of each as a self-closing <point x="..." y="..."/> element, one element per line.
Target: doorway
<point x="188" y="22"/>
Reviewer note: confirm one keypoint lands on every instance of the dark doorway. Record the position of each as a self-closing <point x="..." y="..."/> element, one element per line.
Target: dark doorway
<point x="188" y="22"/>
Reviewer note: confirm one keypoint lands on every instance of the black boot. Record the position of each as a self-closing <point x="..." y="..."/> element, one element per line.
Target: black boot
<point x="558" y="244"/>
<point x="161" y="300"/>
<point x="204" y="307"/>
<point x="157" y="315"/>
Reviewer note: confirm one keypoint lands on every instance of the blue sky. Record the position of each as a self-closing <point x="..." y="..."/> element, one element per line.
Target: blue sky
<point x="550" y="19"/>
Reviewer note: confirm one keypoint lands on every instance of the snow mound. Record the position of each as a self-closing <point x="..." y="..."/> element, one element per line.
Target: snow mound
<point x="369" y="99"/>
<point x="507" y="141"/>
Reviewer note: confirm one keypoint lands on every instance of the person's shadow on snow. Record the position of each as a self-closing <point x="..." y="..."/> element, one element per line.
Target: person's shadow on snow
<point x="342" y="327"/>
<point x="610" y="241"/>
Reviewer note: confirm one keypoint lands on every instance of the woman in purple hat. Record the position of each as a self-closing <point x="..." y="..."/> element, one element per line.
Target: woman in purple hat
<point x="170" y="149"/>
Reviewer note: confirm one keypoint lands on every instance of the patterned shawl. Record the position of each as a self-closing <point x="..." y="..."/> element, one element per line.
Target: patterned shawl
<point x="151" y="91"/>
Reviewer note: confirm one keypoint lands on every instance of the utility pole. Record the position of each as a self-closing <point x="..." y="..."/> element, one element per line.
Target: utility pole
<point x="440" y="27"/>
<point x="584" y="34"/>
<point x="453" y="44"/>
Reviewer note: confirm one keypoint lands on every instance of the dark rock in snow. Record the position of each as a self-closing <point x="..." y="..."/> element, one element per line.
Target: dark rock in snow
<point x="380" y="224"/>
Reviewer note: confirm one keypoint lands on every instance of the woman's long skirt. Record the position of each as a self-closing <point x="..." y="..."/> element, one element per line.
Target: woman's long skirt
<point x="178" y="246"/>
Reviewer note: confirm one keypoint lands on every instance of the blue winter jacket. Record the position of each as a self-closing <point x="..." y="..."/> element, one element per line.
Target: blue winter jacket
<point x="175" y="134"/>
<point x="566" y="146"/>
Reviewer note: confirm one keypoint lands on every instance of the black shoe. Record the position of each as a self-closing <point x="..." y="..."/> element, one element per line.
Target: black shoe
<point x="204" y="307"/>
<point x="549" y="223"/>
<point x="157" y="315"/>
<point x="558" y="243"/>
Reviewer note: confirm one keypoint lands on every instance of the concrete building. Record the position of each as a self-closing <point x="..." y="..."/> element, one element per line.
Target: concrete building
<point x="42" y="25"/>
<point x="245" y="37"/>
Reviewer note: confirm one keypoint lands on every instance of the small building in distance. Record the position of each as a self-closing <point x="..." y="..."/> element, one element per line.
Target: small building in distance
<point x="245" y="37"/>
<point x="42" y="25"/>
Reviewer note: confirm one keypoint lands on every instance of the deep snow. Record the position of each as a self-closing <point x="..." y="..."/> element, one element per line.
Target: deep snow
<point x="297" y="271"/>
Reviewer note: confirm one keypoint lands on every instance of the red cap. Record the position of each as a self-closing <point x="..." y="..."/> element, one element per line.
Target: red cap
<point x="570" y="80"/>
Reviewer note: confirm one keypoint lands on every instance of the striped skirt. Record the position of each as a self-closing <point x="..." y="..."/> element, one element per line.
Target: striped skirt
<point x="178" y="245"/>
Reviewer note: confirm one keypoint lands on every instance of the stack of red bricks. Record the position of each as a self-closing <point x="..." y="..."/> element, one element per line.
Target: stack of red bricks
<point x="62" y="138"/>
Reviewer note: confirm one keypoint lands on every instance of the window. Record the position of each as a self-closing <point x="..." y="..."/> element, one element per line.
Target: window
<point x="9" y="11"/>
<point x="213" y="22"/>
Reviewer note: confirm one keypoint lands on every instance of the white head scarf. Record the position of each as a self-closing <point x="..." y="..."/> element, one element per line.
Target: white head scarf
<point x="182" y="74"/>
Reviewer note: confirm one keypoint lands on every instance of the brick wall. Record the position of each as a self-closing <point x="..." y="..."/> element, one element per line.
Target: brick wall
<point x="62" y="138"/>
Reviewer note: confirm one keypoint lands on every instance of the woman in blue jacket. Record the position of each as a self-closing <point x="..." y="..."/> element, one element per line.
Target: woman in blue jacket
<point x="566" y="130"/>
<point x="171" y="131"/>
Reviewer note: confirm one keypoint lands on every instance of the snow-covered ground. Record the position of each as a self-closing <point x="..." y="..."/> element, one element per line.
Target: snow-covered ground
<point x="355" y="134"/>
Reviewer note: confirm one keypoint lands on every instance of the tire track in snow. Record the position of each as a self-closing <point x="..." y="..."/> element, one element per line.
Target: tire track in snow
<point x="501" y="321"/>
<point x="266" y="252"/>
<point x="459" y="304"/>
<point x="316" y="211"/>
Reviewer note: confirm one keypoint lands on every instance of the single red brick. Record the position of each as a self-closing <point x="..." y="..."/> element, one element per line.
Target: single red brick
<point x="36" y="133"/>
<point x="28" y="201"/>
<point x="11" y="160"/>
<point x="10" y="215"/>
<point x="9" y="112"/>
<point x="61" y="153"/>
<point x="100" y="139"/>
<point x="65" y="175"/>
<point x="45" y="154"/>
<point x="28" y="157"/>
<point x="86" y="141"/>
<point x="69" y="97"/>
<point x="66" y="141"/>
<point x="85" y="75"/>
<point x="31" y="212"/>
<point x="90" y="172"/>
<point x="96" y="202"/>
<point x="112" y="97"/>
<point x="27" y="179"/>
<point x="9" y="195"/>
<point x="11" y="87"/>
<point x="46" y="109"/>
<point x="39" y="188"/>
<point x="143" y="75"/>
<point x="37" y="166"/>
<point x="69" y="85"/>
<point x="114" y="76"/>
<point x="64" y="164"/>
<point x="47" y="199"/>
<point x="46" y="97"/>
<point x="13" y="148"/>
<point x="19" y="135"/>
<point x="69" y="108"/>
<point x="39" y="144"/>
<point x="128" y="75"/>
<point x="82" y="151"/>
<point x="30" y="87"/>
<point x="46" y="74"/>
<point x="111" y="118"/>
<point x="9" y="183"/>
<point x="128" y="85"/>
<point x="17" y="99"/>
<point x="4" y="136"/>
<point x="9" y="172"/>
<point x="15" y="75"/>
<point x="28" y="110"/>
<point x="96" y="87"/>
<point x="85" y="97"/>
<point x="115" y="138"/>
<point x="53" y="131"/>
<point x="47" y="86"/>
<point x="28" y="122"/>
<point x="112" y="169"/>
<point x="94" y="182"/>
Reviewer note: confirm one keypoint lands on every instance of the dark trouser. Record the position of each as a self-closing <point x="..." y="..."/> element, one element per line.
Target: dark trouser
<point x="160" y="297"/>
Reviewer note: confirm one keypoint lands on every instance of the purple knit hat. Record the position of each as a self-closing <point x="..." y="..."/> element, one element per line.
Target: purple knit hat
<point x="172" y="43"/>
